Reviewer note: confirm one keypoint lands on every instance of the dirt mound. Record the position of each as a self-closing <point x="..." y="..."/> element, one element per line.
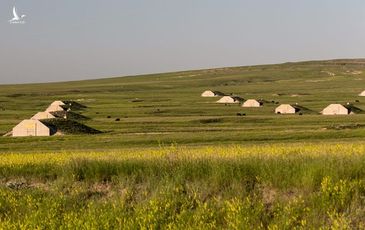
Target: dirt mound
<point x="354" y="109"/>
<point x="70" y="115"/>
<point x="73" y="105"/>
<point x="60" y="125"/>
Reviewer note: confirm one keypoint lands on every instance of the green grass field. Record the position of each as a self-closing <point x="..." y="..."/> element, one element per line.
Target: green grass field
<point x="170" y="109"/>
<point x="176" y="160"/>
<point x="263" y="187"/>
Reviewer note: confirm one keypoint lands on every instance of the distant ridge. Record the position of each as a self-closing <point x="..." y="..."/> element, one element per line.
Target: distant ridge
<point x="355" y="61"/>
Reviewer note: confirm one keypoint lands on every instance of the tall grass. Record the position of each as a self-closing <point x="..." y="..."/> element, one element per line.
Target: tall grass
<point x="235" y="187"/>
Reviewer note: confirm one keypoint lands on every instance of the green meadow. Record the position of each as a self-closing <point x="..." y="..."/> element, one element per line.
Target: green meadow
<point x="167" y="108"/>
<point x="262" y="187"/>
<point x="167" y="158"/>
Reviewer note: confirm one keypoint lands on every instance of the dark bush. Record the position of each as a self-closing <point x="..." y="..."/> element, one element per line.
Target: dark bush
<point x="211" y="120"/>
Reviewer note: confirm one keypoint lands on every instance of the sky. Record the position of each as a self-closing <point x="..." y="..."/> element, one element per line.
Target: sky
<point x="88" y="39"/>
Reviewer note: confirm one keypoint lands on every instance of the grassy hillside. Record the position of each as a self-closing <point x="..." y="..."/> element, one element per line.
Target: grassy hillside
<point x="167" y="158"/>
<point x="161" y="109"/>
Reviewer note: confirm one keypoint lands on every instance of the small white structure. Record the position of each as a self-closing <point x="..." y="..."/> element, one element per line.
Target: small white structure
<point x="362" y="94"/>
<point x="209" y="93"/>
<point x="336" y="109"/>
<point x="286" y="109"/>
<point x="60" y="103"/>
<point x="56" y="106"/>
<point x="251" y="103"/>
<point x="31" y="128"/>
<point x="229" y="100"/>
<point x="42" y="115"/>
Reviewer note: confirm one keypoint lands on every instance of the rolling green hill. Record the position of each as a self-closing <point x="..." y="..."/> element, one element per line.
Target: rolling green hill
<point x="161" y="109"/>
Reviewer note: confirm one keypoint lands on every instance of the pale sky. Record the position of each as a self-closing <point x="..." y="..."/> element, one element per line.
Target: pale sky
<point x="70" y="40"/>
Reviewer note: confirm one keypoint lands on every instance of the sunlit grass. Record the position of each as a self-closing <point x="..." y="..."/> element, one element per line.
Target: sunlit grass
<point x="235" y="187"/>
